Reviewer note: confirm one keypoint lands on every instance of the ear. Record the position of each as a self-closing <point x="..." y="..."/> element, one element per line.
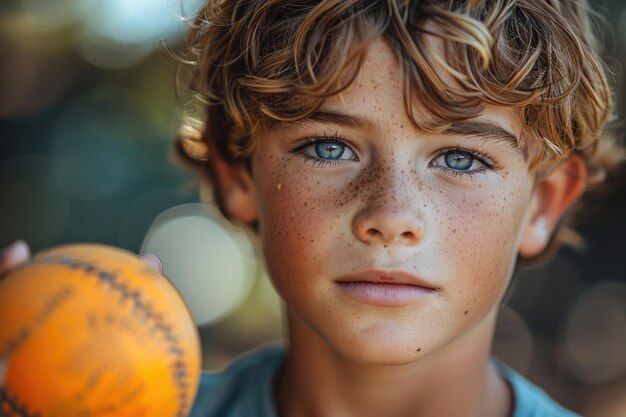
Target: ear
<point x="235" y="188"/>
<point x="552" y="196"/>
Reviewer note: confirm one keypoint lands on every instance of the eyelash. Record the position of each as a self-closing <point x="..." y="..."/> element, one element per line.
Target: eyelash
<point x="479" y="156"/>
<point x="476" y="154"/>
<point x="322" y="139"/>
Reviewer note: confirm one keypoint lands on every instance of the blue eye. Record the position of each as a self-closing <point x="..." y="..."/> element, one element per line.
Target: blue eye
<point x="459" y="160"/>
<point x="329" y="150"/>
<point x="325" y="150"/>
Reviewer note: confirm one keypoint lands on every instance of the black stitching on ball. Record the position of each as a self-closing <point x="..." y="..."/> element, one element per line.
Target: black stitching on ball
<point x="14" y="405"/>
<point x="180" y="372"/>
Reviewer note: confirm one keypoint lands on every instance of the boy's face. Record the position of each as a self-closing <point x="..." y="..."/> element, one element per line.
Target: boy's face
<point x="446" y="208"/>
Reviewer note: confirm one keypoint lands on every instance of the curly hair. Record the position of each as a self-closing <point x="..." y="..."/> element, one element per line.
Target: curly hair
<point x="258" y="62"/>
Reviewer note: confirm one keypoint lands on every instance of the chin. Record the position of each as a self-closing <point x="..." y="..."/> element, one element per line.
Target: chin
<point x="381" y="348"/>
<point x="382" y="356"/>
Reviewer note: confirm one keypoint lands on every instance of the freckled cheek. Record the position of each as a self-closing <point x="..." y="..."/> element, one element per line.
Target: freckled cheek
<point x="480" y="234"/>
<point x="299" y="223"/>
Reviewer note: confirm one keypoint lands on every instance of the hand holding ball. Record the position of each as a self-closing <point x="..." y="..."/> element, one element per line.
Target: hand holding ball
<point x="91" y="330"/>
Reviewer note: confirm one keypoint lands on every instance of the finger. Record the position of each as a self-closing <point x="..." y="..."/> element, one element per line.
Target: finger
<point x="152" y="260"/>
<point x="14" y="255"/>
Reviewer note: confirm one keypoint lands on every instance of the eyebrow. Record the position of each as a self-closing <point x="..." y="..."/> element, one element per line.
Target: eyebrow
<point x="342" y="119"/>
<point x="484" y="129"/>
<point x="487" y="130"/>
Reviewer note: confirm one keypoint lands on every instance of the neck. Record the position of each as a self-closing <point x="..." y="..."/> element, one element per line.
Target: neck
<point x="456" y="381"/>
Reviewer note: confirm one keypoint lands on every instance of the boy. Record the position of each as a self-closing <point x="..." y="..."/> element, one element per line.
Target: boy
<point x="394" y="160"/>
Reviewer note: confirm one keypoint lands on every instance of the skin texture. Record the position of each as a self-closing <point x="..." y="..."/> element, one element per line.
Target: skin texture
<point x="392" y="202"/>
<point x="458" y="234"/>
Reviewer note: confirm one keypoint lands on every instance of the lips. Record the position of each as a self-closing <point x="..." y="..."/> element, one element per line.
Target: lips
<point x="385" y="277"/>
<point x="385" y="288"/>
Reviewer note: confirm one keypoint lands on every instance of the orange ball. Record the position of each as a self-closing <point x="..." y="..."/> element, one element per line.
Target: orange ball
<point x="92" y="330"/>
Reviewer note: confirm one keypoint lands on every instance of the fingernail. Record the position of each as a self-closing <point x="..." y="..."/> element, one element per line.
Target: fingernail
<point x="16" y="251"/>
<point x="153" y="257"/>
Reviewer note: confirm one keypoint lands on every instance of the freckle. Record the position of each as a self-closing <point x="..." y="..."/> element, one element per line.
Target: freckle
<point x="466" y="311"/>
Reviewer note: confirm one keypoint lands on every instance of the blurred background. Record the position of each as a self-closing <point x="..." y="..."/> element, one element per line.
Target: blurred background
<point x="87" y="118"/>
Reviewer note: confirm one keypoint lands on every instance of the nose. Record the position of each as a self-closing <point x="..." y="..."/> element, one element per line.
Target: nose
<point x="386" y="225"/>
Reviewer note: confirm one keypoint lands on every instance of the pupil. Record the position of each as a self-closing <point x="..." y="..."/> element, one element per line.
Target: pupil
<point x="458" y="160"/>
<point x="329" y="150"/>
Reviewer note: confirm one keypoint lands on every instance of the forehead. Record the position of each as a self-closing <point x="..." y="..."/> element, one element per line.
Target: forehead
<point x="375" y="102"/>
<point x="379" y="79"/>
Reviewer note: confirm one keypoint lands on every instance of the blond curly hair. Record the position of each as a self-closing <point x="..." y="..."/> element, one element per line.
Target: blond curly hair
<point x="258" y="62"/>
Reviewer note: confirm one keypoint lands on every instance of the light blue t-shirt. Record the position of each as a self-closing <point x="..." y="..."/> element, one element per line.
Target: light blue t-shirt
<point x="245" y="389"/>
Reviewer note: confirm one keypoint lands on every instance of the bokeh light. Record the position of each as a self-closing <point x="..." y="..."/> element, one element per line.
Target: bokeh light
<point x="213" y="267"/>
<point x="110" y="55"/>
<point x="595" y="333"/>
<point x="117" y="34"/>
<point x="138" y="21"/>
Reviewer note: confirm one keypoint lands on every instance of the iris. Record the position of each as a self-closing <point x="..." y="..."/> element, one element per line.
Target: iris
<point x="459" y="160"/>
<point x="329" y="150"/>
